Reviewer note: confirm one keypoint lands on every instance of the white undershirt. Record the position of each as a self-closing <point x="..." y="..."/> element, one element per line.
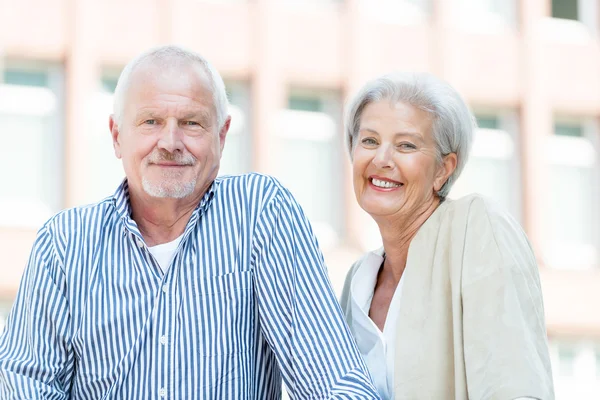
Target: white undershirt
<point x="165" y="252"/>
<point x="375" y="345"/>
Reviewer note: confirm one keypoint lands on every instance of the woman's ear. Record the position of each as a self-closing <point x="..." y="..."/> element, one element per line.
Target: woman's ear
<point x="445" y="169"/>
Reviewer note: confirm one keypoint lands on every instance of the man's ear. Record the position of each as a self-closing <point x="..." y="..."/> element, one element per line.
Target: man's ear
<point x="445" y="170"/>
<point x="114" y="132"/>
<point x="223" y="132"/>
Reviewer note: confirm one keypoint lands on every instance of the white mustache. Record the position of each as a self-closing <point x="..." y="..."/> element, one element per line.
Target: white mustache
<point x="161" y="155"/>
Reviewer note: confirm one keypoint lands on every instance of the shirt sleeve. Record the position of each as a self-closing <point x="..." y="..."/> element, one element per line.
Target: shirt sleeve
<point x="36" y="361"/>
<point x="299" y="315"/>
<point x="505" y="343"/>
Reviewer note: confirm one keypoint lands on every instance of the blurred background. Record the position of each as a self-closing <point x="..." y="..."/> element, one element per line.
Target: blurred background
<point x="529" y="69"/>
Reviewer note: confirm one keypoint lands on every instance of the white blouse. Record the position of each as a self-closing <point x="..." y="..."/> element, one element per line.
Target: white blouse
<point x="375" y="345"/>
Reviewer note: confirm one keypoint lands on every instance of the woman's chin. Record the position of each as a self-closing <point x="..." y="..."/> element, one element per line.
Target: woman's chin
<point x="382" y="210"/>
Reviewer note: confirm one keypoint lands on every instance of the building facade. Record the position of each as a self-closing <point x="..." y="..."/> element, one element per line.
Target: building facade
<point x="530" y="70"/>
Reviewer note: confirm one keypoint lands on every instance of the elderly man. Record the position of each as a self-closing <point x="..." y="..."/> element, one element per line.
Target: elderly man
<point x="181" y="285"/>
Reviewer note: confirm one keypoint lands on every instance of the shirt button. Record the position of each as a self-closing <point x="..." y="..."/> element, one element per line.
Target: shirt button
<point x="139" y="242"/>
<point x="162" y="392"/>
<point x="165" y="288"/>
<point x="163" y="339"/>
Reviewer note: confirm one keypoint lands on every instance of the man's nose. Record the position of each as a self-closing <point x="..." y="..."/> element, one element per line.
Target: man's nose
<point x="171" y="137"/>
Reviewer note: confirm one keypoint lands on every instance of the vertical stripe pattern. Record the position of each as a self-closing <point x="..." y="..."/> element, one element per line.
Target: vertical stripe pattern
<point x="245" y="304"/>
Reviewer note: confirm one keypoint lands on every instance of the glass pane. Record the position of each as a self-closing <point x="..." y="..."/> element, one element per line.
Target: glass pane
<point x="25" y="78"/>
<point x="308" y="158"/>
<point x="4" y="311"/>
<point x="490" y="177"/>
<point x="565" y="9"/>
<point x="108" y="84"/>
<point x="571" y="204"/>
<point x="25" y="147"/>
<point x="566" y="361"/>
<point x="308" y="168"/>
<point x="104" y="170"/>
<point x="302" y="103"/>
<point x="31" y="135"/>
<point x="573" y="130"/>
<point x="488" y="122"/>
<point x="597" y="356"/>
<point x="237" y="154"/>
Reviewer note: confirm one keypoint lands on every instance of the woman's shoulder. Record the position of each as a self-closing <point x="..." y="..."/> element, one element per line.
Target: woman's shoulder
<point x="475" y="203"/>
<point x="493" y="238"/>
<point x="479" y="210"/>
<point x="366" y="257"/>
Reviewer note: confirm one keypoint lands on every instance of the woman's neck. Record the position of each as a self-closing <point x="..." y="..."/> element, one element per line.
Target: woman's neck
<point x="397" y="234"/>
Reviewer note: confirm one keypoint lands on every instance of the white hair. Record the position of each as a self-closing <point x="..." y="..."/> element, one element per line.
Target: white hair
<point x="171" y="56"/>
<point x="453" y="123"/>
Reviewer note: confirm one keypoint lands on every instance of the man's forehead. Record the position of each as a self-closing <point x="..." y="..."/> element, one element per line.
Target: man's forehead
<point x="151" y="72"/>
<point x="151" y="81"/>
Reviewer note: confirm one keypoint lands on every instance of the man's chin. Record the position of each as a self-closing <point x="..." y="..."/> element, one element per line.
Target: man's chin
<point x="168" y="191"/>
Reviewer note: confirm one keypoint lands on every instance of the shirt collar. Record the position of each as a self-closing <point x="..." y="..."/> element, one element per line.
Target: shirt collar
<point x="122" y="204"/>
<point x="365" y="278"/>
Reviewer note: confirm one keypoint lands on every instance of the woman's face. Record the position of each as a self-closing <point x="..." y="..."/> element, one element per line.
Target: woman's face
<point x="395" y="169"/>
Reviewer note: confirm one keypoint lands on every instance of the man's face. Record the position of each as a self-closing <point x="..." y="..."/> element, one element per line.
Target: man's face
<point x="168" y="138"/>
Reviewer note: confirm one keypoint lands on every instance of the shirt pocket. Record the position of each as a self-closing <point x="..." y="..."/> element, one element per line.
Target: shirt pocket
<point x="224" y="315"/>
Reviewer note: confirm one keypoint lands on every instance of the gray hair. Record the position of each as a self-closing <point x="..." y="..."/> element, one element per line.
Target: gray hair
<point x="453" y="123"/>
<point x="166" y="56"/>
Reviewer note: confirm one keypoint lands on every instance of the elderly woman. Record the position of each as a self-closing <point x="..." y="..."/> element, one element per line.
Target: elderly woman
<point x="451" y="306"/>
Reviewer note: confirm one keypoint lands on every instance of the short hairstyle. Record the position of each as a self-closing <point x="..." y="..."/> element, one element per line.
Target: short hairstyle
<point x="453" y="123"/>
<point x="166" y="56"/>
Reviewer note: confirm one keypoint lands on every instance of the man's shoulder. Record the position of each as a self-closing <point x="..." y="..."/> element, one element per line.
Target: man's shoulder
<point x="78" y="217"/>
<point x="254" y="193"/>
<point x="248" y="179"/>
<point x="254" y="185"/>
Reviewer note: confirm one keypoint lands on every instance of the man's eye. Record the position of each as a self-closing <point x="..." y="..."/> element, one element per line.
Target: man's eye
<point x="191" y="123"/>
<point x="150" y="122"/>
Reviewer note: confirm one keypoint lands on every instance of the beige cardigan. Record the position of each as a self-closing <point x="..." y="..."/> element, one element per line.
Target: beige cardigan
<point x="471" y="323"/>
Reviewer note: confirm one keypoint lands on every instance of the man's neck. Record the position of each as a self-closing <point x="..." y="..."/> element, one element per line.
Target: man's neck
<point x="162" y="220"/>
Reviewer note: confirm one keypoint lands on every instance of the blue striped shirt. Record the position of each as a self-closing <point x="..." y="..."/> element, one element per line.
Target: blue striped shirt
<point x="245" y="302"/>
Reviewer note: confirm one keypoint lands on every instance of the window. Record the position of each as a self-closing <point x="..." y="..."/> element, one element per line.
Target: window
<point x="487" y="16"/>
<point x="493" y="167"/>
<point x="104" y="169"/>
<point x="108" y="84"/>
<point x="309" y="160"/>
<point x="4" y="311"/>
<point x="313" y="4"/>
<point x="597" y="356"/>
<point x="572" y="212"/>
<point x="397" y="11"/>
<point x="31" y="125"/>
<point x="223" y="1"/>
<point x="573" y="20"/>
<point x="566" y="360"/>
<point x="237" y="154"/>
<point x="565" y="9"/>
<point x="575" y="368"/>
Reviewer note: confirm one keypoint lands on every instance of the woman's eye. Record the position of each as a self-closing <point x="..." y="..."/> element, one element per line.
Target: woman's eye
<point x="369" y="141"/>
<point x="407" y="146"/>
<point x="150" y="122"/>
